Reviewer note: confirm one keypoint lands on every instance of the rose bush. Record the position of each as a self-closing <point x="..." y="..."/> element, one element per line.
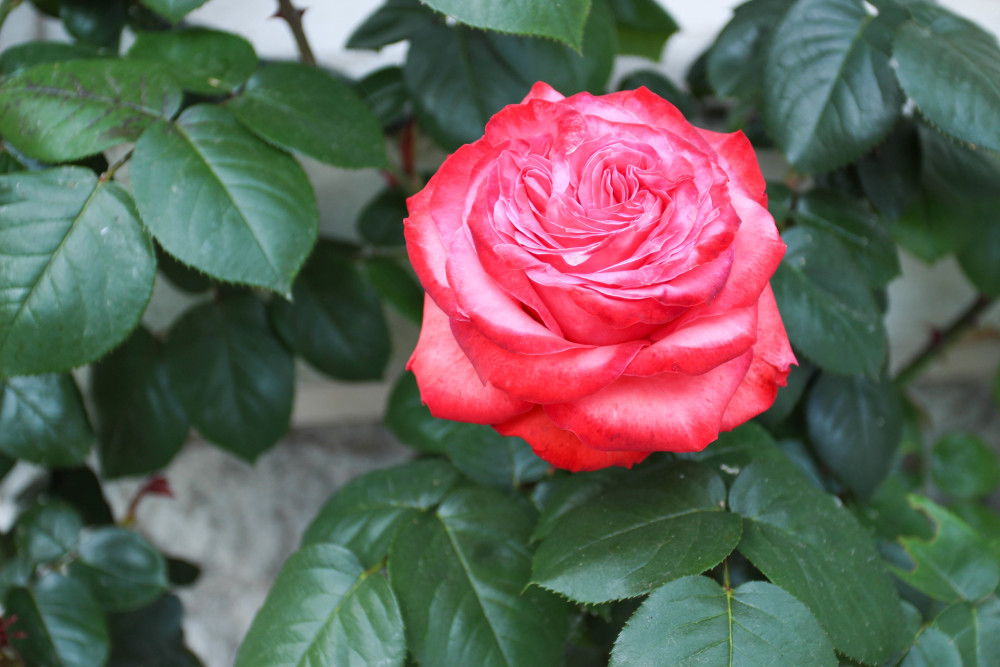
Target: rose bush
<point x="597" y="276"/>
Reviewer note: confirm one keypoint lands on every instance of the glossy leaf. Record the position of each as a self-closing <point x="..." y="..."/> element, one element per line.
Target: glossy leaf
<point x="737" y="449"/>
<point x="42" y="420"/>
<point x="963" y="465"/>
<point x="396" y="285"/>
<point x="643" y="27"/>
<point x="173" y="9"/>
<point x="180" y="275"/>
<point x="933" y="648"/>
<point x="393" y="22"/>
<point x="232" y="375"/>
<point x="856" y="425"/>
<point x="204" y="61"/>
<point x="980" y="255"/>
<point x="141" y="424"/>
<point x="334" y="320"/>
<point x="811" y="546"/>
<point x="251" y="199"/>
<point x="975" y="630"/>
<point x="381" y="220"/>
<point x="151" y="636"/>
<point x="628" y="541"/>
<point x="568" y="493"/>
<point x="831" y="93"/>
<point x="694" y="621"/>
<point x="410" y="420"/>
<point x="366" y="513"/>
<point x="28" y="54"/>
<point x="385" y="94"/>
<point x="122" y="569"/>
<point x="562" y="20"/>
<point x="856" y="226"/>
<point x="46" y="533"/>
<point x="490" y="458"/>
<point x="955" y="565"/>
<point x="304" y="109"/>
<point x="61" y="623"/>
<point x="827" y="309"/>
<point x="664" y="87"/>
<point x="890" y="173"/>
<point x="341" y="615"/>
<point x="76" y="269"/>
<point x="97" y="22"/>
<point x="461" y="575"/>
<point x="63" y="111"/>
<point x="81" y="488"/>
<point x="950" y="67"/>
<point x="737" y="59"/>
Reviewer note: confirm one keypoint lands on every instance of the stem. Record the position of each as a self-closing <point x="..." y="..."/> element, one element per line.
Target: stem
<point x="942" y="340"/>
<point x="6" y="7"/>
<point x="109" y="174"/>
<point x="293" y="17"/>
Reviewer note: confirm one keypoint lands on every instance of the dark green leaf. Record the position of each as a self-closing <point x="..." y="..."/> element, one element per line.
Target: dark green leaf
<point x="664" y="87"/>
<point x="203" y="61"/>
<point x="77" y="269"/>
<point x="694" y="621"/>
<point x="963" y="465"/>
<point x="383" y="91"/>
<point x="890" y="173"/>
<point x="179" y="274"/>
<point x="233" y="377"/>
<point x="933" y="649"/>
<point x="173" y="9"/>
<point x="955" y="565"/>
<point x="29" y="54"/>
<point x="410" y="420"/>
<point x="789" y="395"/>
<point x="42" y="420"/>
<point x="827" y="309"/>
<point x="628" y="541"/>
<point x="80" y="488"/>
<point x="490" y="458"/>
<point x="68" y="110"/>
<point x="458" y="77"/>
<point x="831" y="93"/>
<point x="304" y="109"/>
<point x="855" y="424"/>
<point x="570" y="492"/>
<point x="975" y="631"/>
<point x="97" y="22"/>
<point x="341" y="615"/>
<point x="381" y="220"/>
<point x="461" y="575"/>
<point x="62" y="624"/>
<point x="739" y="448"/>
<point x="394" y="21"/>
<point x="140" y="423"/>
<point x="181" y="572"/>
<point x="643" y="26"/>
<point x="737" y="59"/>
<point x="205" y="176"/>
<point x="562" y="20"/>
<point x="334" y="320"/>
<point x="868" y="242"/>
<point x="806" y="542"/>
<point x="396" y="285"/>
<point x="123" y="570"/>
<point x="151" y="637"/>
<point x="366" y="513"/>
<point x="950" y="67"/>
<point x="980" y="257"/>
<point x="46" y="533"/>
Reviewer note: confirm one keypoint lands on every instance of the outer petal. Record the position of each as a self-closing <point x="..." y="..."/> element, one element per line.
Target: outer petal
<point x="560" y="447"/>
<point x="448" y="384"/>
<point x="545" y="378"/>
<point x="543" y="91"/>
<point x="736" y="150"/>
<point x="772" y="360"/>
<point x="669" y="412"/>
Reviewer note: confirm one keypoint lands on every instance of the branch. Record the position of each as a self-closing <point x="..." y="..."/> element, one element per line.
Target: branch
<point x="293" y="17"/>
<point x="942" y="340"/>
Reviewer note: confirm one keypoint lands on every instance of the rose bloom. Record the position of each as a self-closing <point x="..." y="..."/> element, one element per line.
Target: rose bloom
<point x="597" y="280"/>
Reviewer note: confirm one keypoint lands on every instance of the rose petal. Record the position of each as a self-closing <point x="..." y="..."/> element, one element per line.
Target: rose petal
<point x="560" y="447"/>
<point x="737" y="151"/>
<point x="772" y="360"/>
<point x="668" y="412"/>
<point x="543" y="91"/>
<point x="448" y="384"/>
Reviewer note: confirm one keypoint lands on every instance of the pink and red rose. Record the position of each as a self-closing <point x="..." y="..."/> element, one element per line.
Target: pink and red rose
<point x="597" y="280"/>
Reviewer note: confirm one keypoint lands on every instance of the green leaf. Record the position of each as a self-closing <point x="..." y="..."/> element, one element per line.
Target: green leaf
<point x="122" y="569"/>
<point x="80" y="488"/>
<point x="828" y="311"/>
<point x="62" y="624"/>
<point x="694" y="621"/>
<point x="140" y="423"/>
<point x="304" y="109"/>
<point x="737" y="59"/>
<point x="569" y="492"/>
<point x="955" y="565"/>
<point x="233" y="377"/>
<point x="98" y="22"/>
<point x="46" y="533"/>
<point x="806" y="542"/>
<point x="459" y="77"/>
<point x="963" y="465"/>
<point x="341" y="615"/>
<point x="664" y="87"/>
<point x="181" y="275"/>
<point x="76" y="269"/>
<point x="643" y="27"/>
<point x="739" y="448"/>
<point x="975" y="630"/>
<point x="29" y="54"/>
<point x="831" y="93"/>
<point x="890" y="173"/>
<point x="631" y="539"/>
<point x="950" y="67"/>
<point x="174" y="10"/>
<point x="205" y="176"/>
<point x="867" y="241"/>
<point x="562" y="20"/>
<point x="856" y="425"/>
<point x="461" y="575"/>
<point x="366" y="513"/>
<point x="151" y="636"/>
<point x="410" y="420"/>
<point x="335" y="320"/>
<point x="394" y="21"/>
<point x="789" y="395"/>
<point x="933" y="649"/>
<point x="64" y="111"/>
<point x="42" y="420"/>
<point x="204" y="61"/>
<point x="396" y="285"/>
<point x="490" y="458"/>
<point x="980" y="256"/>
<point x="384" y="92"/>
<point x="381" y="220"/>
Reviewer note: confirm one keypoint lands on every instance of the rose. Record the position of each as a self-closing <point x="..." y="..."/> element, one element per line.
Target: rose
<point x="597" y="280"/>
